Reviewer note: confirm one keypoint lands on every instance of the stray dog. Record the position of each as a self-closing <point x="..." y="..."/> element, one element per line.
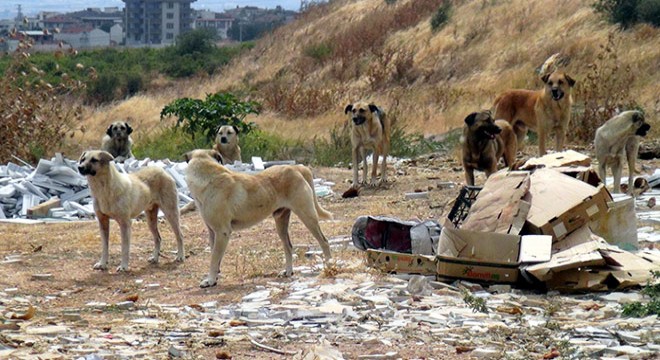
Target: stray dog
<point x="485" y="142"/>
<point x="226" y="143"/>
<point x="123" y="197"/>
<point x="618" y="134"/>
<point x="229" y="201"/>
<point x="117" y="141"/>
<point x="545" y="110"/>
<point x="370" y="129"/>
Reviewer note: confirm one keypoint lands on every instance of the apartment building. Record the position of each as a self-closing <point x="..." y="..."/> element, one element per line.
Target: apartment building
<point x="156" y="22"/>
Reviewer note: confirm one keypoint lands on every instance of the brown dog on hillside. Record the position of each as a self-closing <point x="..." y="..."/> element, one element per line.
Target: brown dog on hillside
<point x="543" y="111"/>
<point x="226" y="143"/>
<point x="370" y="129"/>
<point x="485" y="141"/>
<point x="229" y="201"/>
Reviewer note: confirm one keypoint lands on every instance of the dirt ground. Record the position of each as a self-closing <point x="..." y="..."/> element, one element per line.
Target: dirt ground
<point x="254" y="256"/>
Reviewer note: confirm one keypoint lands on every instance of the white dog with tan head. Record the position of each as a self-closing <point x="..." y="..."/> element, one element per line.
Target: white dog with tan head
<point x="229" y="201"/>
<point x="123" y="197"/>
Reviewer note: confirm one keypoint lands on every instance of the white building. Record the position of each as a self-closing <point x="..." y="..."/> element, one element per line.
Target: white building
<point x="84" y="38"/>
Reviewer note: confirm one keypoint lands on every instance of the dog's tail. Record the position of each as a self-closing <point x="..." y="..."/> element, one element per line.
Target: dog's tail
<point x="322" y="213"/>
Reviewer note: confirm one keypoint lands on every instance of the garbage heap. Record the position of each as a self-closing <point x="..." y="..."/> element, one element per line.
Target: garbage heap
<point x="552" y="224"/>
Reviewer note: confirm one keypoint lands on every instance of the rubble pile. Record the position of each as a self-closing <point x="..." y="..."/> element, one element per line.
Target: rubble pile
<point x="489" y="322"/>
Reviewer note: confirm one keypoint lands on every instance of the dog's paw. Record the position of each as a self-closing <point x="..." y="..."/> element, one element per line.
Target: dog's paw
<point x="100" y="266"/>
<point x="122" y="268"/>
<point x="180" y="258"/>
<point x="206" y="283"/>
<point x="285" y="273"/>
<point x="153" y="260"/>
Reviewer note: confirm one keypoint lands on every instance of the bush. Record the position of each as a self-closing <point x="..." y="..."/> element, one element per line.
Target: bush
<point x="649" y="12"/>
<point x="103" y="89"/>
<point x="629" y="12"/>
<point x="318" y="52"/>
<point x="169" y="143"/>
<point x="637" y="309"/>
<point x="441" y="16"/>
<point x="36" y="115"/>
<point x="197" y="116"/>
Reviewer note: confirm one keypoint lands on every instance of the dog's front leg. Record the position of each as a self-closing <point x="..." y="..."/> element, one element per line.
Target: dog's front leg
<point x="469" y="175"/>
<point x="616" y="173"/>
<point x="217" y="252"/>
<point x="125" y="228"/>
<point x="104" y="225"/>
<point x="365" y="167"/>
<point x="632" y="148"/>
<point x="541" y="134"/>
<point x="383" y="169"/>
<point x="356" y="165"/>
<point x="374" y="169"/>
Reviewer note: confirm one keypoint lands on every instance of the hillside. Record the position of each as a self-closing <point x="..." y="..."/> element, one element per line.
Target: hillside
<point x="306" y="72"/>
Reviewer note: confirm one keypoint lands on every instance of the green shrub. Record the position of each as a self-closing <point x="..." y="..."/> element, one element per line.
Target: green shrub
<point x="270" y="146"/>
<point x="197" y="116"/>
<point x="334" y="151"/>
<point x="441" y="16"/>
<point x="638" y="309"/>
<point x="319" y="52"/>
<point x="169" y="143"/>
<point x="649" y="12"/>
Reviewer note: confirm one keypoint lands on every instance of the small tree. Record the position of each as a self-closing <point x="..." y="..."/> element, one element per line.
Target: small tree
<point x="207" y="116"/>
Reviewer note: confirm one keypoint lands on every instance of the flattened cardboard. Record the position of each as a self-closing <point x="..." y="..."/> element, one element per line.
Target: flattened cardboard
<point x="390" y="261"/>
<point x="554" y="160"/>
<point x="583" y="173"/>
<point x="619" y="224"/>
<point x="561" y="204"/>
<point x="499" y="207"/>
<point x="487" y="256"/>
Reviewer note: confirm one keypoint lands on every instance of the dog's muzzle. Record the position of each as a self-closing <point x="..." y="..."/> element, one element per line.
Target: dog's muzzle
<point x="491" y="131"/>
<point x="223" y="140"/>
<point x="83" y="170"/>
<point x="359" y="120"/>
<point x="643" y="130"/>
<point x="557" y="94"/>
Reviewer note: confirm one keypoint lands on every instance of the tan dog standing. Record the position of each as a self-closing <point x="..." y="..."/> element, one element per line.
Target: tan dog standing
<point x="229" y="201"/>
<point x="226" y="143"/>
<point x="618" y="135"/>
<point x="543" y="111"/>
<point x="370" y="129"/>
<point x="485" y="141"/>
<point x="117" y="141"/>
<point x="123" y="197"/>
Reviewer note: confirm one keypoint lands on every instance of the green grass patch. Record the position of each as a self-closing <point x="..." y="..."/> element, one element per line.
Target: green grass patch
<point x="652" y="307"/>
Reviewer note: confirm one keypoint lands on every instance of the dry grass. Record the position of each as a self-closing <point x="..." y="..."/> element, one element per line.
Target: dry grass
<point x="486" y="47"/>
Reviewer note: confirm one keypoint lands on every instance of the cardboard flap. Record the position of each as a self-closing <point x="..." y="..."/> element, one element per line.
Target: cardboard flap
<point x="498" y="206"/>
<point x="535" y="248"/>
<point x="490" y="248"/>
<point x="564" y="158"/>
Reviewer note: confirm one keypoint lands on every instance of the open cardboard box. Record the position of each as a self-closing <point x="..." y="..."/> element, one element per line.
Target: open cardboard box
<point x="488" y="256"/>
<point x="561" y="204"/>
<point x="391" y="261"/>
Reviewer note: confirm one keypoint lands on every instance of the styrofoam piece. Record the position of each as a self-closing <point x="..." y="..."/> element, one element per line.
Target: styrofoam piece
<point x="77" y="196"/>
<point x="258" y="163"/>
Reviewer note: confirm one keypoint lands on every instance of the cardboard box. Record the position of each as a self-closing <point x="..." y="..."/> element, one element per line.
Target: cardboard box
<point x="619" y="225"/>
<point x="390" y="261"/>
<point x="561" y="204"/>
<point x="554" y="160"/>
<point x="488" y="256"/>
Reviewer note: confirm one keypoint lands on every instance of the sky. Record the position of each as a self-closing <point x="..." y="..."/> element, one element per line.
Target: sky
<point x="8" y="8"/>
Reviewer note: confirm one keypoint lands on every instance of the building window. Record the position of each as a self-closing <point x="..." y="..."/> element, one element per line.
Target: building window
<point x="169" y="26"/>
<point x="170" y="15"/>
<point x="169" y="36"/>
<point x="170" y="5"/>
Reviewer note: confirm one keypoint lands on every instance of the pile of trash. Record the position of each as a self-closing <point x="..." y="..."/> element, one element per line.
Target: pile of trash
<point x="54" y="190"/>
<point x="552" y="225"/>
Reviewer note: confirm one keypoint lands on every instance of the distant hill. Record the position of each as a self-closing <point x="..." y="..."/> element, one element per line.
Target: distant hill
<point x="387" y="52"/>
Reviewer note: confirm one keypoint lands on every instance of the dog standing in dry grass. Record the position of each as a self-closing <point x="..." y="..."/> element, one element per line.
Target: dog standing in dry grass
<point x="226" y="143"/>
<point x="123" y="197"/>
<point x="485" y="141"/>
<point x="229" y="201"/>
<point x="370" y="129"/>
<point x="543" y="111"/>
<point x="618" y="135"/>
<point x="117" y="141"/>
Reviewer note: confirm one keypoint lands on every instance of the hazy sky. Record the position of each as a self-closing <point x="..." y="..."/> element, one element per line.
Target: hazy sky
<point x="8" y="8"/>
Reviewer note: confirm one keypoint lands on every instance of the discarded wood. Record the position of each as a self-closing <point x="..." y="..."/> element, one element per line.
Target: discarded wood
<point x="272" y="349"/>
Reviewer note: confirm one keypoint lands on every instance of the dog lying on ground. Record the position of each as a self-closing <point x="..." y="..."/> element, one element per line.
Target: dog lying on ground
<point x="117" y="141"/>
<point x="226" y="143"/>
<point x="370" y="129"/>
<point x="618" y="135"/>
<point x="123" y="197"/>
<point x="545" y="110"/>
<point x="229" y="201"/>
<point x="485" y="142"/>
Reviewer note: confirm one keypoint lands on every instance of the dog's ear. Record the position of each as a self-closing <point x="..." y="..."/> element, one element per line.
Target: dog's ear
<point x="348" y="108"/>
<point x="82" y="156"/>
<point x="129" y="129"/>
<point x="235" y="128"/>
<point x="471" y="119"/>
<point x="373" y="108"/>
<point x="637" y="116"/>
<point x="570" y="80"/>
<point x="216" y="155"/>
<point x="108" y="131"/>
<point x="545" y="78"/>
<point x="105" y="157"/>
<point x="187" y="156"/>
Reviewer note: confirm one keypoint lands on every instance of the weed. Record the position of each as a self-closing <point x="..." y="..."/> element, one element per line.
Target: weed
<point x="168" y="143"/>
<point x="638" y="309"/>
<point x="270" y="146"/>
<point x="627" y="13"/>
<point x="475" y="303"/>
<point x="319" y="52"/>
<point x="336" y="150"/>
<point x="441" y="16"/>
